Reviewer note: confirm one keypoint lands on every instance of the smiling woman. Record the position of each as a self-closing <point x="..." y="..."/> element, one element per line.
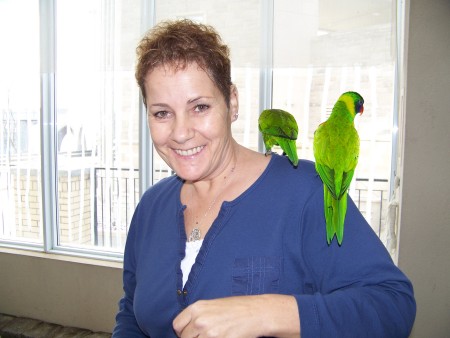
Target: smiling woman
<point x="234" y="243"/>
<point x="192" y="135"/>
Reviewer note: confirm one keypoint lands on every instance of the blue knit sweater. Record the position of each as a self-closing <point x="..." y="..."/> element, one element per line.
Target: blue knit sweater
<point x="271" y="239"/>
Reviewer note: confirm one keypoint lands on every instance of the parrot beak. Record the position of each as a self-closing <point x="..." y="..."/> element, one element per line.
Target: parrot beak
<point x="361" y="110"/>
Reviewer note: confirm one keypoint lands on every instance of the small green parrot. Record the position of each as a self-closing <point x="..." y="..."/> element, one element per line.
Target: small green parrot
<point x="278" y="127"/>
<point x="336" y="152"/>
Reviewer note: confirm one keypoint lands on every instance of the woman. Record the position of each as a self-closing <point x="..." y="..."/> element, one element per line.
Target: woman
<point x="234" y="244"/>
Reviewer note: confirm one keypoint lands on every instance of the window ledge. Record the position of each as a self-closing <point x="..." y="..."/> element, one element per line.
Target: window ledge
<point x="64" y="257"/>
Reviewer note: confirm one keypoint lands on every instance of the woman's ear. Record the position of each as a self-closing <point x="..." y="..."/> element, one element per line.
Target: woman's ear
<point x="234" y="103"/>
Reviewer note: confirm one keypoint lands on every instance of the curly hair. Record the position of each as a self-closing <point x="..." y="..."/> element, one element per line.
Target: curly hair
<point x="180" y="43"/>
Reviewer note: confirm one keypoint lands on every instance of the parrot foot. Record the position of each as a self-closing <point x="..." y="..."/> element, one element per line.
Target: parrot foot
<point x="268" y="152"/>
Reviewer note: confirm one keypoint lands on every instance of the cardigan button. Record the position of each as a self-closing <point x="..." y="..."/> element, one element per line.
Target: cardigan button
<point x="179" y="292"/>
<point x="184" y="292"/>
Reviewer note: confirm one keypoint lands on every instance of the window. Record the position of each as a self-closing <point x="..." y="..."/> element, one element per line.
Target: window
<point x="69" y="68"/>
<point x="20" y="157"/>
<point x="75" y="153"/>
<point x="337" y="46"/>
<point x="97" y="115"/>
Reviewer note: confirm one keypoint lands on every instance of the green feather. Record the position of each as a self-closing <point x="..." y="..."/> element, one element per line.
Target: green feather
<point x="290" y="149"/>
<point x="278" y="127"/>
<point x="336" y="152"/>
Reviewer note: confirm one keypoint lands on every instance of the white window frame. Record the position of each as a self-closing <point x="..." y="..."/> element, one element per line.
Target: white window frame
<point x="47" y="9"/>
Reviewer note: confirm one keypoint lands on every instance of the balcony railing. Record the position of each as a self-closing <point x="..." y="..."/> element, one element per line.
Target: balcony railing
<point x="117" y="195"/>
<point x="371" y="198"/>
<point x="96" y="205"/>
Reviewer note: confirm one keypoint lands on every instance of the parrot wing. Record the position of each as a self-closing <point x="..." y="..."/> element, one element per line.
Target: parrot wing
<point x="277" y="122"/>
<point x="346" y="180"/>
<point x="281" y="131"/>
<point x="278" y="127"/>
<point x="335" y="202"/>
<point x="327" y="176"/>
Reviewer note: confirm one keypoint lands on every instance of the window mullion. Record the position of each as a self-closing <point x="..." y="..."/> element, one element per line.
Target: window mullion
<point x="48" y="122"/>
<point x="145" y="144"/>
<point x="398" y="38"/>
<point x="266" y="62"/>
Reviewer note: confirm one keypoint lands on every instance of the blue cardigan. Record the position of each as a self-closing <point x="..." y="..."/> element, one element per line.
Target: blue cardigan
<point x="271" y="239"/>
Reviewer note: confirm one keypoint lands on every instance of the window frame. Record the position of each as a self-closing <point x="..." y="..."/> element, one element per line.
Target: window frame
<point x="49" y="175"/>
<point x="47" y="15"/>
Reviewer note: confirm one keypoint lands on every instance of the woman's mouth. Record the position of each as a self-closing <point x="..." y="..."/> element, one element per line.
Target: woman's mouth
<point x="189" y="152"/>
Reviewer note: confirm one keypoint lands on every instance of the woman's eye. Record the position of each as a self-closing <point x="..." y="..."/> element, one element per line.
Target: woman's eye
<point x="201" y="108"/>
<point x="161" y="114"/>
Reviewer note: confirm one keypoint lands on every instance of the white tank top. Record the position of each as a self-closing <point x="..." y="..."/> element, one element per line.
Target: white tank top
<point x="192" y="249"/>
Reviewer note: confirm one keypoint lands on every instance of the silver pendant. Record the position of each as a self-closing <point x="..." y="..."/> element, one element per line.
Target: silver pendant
<point x="195" y="235"/>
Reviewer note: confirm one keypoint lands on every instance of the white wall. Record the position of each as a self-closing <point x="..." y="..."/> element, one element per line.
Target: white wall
<point x="424" y="249"/>
<point x="73" y="293"/>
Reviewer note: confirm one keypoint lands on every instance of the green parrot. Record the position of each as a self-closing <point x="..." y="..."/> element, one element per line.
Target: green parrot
<point x="278" y="127"/>
<point x="336" y="152"/>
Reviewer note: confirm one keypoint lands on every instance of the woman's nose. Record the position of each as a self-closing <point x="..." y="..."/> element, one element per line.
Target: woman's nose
<point x="182" y="130"/>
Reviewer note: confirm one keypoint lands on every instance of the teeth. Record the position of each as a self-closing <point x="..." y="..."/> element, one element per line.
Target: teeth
<point x="189" y="152"/>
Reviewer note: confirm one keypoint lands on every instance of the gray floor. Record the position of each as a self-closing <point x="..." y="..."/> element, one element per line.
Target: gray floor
<point x="13" y="327"/>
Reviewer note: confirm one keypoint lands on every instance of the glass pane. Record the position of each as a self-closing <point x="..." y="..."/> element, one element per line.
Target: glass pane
<point x="242" y="33"/>
<point x="20" y="165"/>
<point x="97" y="121"/>
<point x="324" y="48"/>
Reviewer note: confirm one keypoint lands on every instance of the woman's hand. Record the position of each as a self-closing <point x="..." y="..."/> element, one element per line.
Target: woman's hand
<point x="241" y="316"/>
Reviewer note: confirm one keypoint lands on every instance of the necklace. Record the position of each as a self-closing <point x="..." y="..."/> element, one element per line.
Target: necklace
<point x="196" y="234"/>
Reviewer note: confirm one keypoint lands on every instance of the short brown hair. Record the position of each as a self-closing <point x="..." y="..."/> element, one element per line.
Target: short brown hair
<point x="180" y="43"/>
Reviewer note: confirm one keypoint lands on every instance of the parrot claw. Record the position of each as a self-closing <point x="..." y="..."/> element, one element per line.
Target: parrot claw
<point x="268" y="152"/>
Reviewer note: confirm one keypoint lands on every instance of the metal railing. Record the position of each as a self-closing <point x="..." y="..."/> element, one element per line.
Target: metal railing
<point x="371" y="198"/>
<point x="117" y="194"/>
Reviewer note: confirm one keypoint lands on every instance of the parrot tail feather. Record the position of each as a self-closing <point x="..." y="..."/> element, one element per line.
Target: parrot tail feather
<point x="290" y="149"/>
<point x="342" y="211"/>
<point x="335" y="211"/>
<point x="328" y="208"/>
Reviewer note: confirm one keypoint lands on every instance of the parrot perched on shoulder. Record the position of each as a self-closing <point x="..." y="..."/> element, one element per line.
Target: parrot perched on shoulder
<point x="336" y="152"/>
<point x="278" y="127"/>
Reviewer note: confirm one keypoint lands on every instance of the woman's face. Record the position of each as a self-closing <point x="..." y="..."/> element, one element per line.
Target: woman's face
<point x="189" y="121"/>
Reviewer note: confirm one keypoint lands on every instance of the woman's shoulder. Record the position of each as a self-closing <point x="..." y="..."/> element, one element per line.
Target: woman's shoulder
<point x="259" y="164"/>
<point x="280" y="176"/>
<point x="282" y="164"/>
<point x="166" y="186"/>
